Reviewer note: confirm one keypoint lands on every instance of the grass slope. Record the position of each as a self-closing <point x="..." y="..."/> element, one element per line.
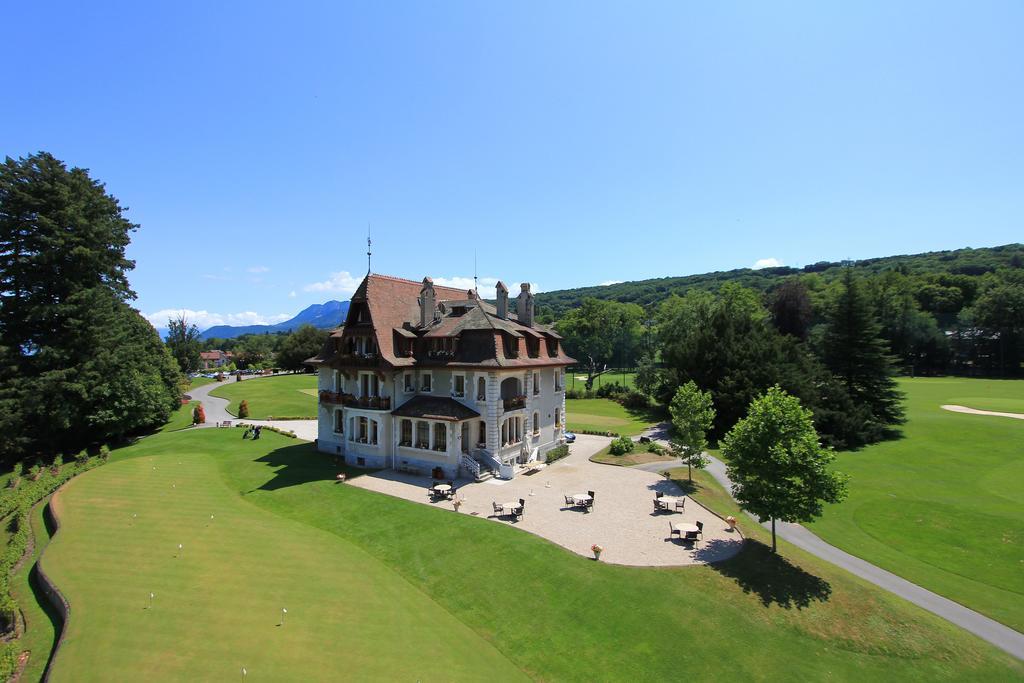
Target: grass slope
<point x="285" y="395"/>
<point x="605" y="415"/>
<point x="942" y="506"/>
<point x="218" y="604"/>
<point x="380" y="587"/>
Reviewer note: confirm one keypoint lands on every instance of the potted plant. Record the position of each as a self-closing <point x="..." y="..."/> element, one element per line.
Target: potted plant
<point x="457" y="503"/>
<point x="731" y="521"/>
<point x="596" y="549"/>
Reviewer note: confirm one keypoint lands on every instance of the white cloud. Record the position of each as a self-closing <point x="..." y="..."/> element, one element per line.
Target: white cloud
<point x="292" y="294"/>
<point x="611" y="282"/>
<point x="258" y="269"/>
<point x="217" y="278"/>
<point x="342" y="283"/>
<point x="767" y="263"/>
<point x="205" y="319"/>
<point x="485" y="287"/>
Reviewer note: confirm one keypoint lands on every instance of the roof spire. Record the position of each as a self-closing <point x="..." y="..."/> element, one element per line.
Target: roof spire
<point x="369" y="251"/>
<point x="475" y="290"/>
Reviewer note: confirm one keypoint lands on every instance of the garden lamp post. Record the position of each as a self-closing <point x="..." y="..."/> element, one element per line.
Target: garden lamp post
<point x="284" y="613"/>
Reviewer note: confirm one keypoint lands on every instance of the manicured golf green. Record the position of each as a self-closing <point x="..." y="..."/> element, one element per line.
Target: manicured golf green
<point x="282" y="396"/>
<point x="219" y="598"/>
<point x="605" y="415"/>
<point x="944" y="505"/>
<point x="382" y="588"/>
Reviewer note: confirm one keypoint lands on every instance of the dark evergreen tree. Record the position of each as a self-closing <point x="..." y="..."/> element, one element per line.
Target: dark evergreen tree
<point x="854" y="351"/>
<point x="791" y="309"/>
<point x="78" y="365"/>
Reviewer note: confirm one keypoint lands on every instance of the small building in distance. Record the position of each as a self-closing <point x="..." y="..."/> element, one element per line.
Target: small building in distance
<point x="213" y="359"/>
<point x="434" y="380"/>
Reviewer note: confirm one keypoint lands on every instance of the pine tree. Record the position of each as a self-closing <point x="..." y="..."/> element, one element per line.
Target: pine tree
<point x="854" y="351"/>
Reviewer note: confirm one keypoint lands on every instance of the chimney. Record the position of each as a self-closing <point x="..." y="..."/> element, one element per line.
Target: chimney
<point x="502" y="292"/>
<point x="524" y="305"/>
<point x="427" y="302"/>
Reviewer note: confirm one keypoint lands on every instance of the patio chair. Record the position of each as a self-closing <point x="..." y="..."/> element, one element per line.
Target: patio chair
<point x="498" y="510"/>
<point x="517" y="511"/>
<point x="700" y="528"/>
<point x="569" y="502"/>
<point x="659" y="494"/>
<point x="691" y="536"/>
<point x="680" y="504"/>
<point x="590" y="503"/>
<point x="673" y="531"/>
<point x="450" y="493"/>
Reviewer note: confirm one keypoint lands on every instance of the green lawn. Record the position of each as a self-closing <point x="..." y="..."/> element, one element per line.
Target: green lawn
<point x="578" y="380"/>
<point x="218" y="602"/>
<point x="603" y="414"/>
<point x="282" y="396"/>
<point x="944" y="506"/>
<point x="180" y="418"/>
<point x="199" y="381"/>
<point x="369" y="595"/>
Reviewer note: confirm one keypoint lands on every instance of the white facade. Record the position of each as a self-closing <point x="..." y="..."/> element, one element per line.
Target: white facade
<point x="521" y="417"/>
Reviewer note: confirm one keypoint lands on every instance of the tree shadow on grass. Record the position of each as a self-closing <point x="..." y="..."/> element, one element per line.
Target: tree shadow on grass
<point x="773" y="578"/>
<point x="300" y="464"/>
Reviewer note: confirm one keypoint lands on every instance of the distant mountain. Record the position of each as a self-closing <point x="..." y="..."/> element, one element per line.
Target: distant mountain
<point x="325" y="316"/>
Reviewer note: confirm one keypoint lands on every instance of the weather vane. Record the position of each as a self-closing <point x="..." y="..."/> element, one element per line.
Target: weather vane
<point x="369" y="251"/>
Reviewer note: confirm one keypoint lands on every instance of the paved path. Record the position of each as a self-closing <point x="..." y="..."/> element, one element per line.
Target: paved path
<point x="974" y="411"/>
<point x="994" y="632"/>
<point x="216" y="409"/>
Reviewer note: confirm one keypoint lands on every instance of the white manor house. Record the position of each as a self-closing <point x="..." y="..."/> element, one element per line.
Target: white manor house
<point x="434" y="380"/>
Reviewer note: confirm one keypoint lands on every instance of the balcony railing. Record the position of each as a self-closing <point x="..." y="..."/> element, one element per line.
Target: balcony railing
<point x="369" y="402"/>
<point x="348" y="400"/>
<point x="514" y="403"/>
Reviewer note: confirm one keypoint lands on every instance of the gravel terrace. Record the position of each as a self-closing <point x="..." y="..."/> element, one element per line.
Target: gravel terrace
<point x="623" y="520"/>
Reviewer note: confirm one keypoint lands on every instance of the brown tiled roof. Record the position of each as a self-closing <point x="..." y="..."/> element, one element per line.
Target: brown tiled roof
<point x="211" y="355"/>
<point x="393" y="307"/>
<point x="435" y="408"/>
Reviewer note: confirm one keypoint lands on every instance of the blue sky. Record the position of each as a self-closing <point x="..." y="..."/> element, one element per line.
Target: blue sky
<point x="567" y="144"/>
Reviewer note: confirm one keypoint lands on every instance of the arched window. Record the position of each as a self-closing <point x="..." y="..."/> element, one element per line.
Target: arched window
<point x="440" y="436"/>
<point x="536" y="423"/>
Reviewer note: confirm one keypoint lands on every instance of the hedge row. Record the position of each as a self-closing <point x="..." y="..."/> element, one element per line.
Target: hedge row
<point x="16" y="502"/>
<point x="557" y="453"/>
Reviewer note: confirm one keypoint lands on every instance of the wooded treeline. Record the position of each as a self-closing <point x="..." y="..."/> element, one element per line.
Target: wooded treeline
<point x="943" y="312"/>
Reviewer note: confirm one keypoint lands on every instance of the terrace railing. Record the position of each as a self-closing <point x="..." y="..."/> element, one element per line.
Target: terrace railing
<point x="514" y="402"/>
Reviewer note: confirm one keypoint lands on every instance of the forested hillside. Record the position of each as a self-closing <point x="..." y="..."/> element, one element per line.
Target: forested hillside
<point x="935" y="275"/>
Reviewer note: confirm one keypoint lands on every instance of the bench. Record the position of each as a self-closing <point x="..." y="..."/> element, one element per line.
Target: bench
<point x="225" y="423"/>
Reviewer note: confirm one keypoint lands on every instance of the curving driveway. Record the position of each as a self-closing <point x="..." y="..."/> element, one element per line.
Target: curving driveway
<point x="998" y="634"/>
<point x="217" y="411"/>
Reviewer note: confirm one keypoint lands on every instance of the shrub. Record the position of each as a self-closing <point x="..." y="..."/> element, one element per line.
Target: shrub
<point x="35" y="471"/>
<point x="611" y="390"/>
<point x="636" y="399"/>
<point x="104" y="452"/>
<point x="656" y="448"/>
<point x="558" y="453"/>
<point x="243" y="409"/>
<point x="622" y="445"/>
<point x="58" y="462"/>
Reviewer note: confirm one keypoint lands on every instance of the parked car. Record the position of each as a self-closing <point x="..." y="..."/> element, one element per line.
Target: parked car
<point x="570" y="437"/>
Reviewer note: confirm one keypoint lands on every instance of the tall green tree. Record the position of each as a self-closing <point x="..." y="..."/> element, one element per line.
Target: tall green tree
<point x="999" y="311"/>
<point x="692" y="413"/>
<point x="791" y="308"/>
<point x="300" y="345"/>
<point x="726" y="345"/>
<point x="853" y="349"/>
<point x="778" y="468"/>
<point x="600" y="332"/>
<point x="183" y="343"/>
<point x="78" y="365"/>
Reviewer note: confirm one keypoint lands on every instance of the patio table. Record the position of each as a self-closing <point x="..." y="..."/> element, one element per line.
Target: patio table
<point x="685" y="527"/>
<point x="442" y="488"/>
<point x="510" y="506"/>
<point x="580" y="498"/>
